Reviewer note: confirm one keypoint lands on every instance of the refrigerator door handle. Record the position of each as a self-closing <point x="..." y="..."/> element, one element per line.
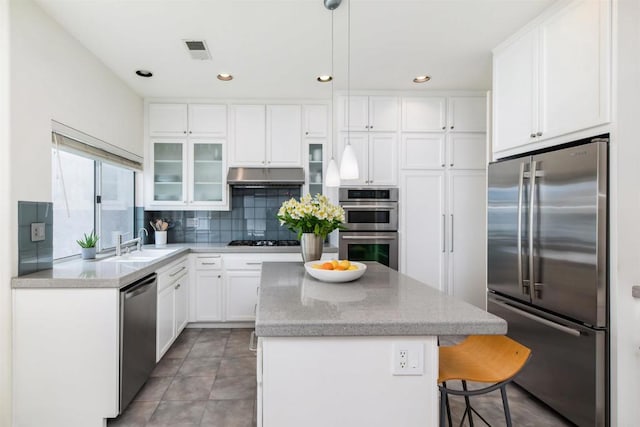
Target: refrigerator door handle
<point x="519" y="238"/>
<point x="444" y="234"/>
<point x="532" y="203"/>
<point x="554" y="325"/>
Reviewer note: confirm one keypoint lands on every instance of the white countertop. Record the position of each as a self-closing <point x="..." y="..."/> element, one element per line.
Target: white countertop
<point x="97" y="273"/>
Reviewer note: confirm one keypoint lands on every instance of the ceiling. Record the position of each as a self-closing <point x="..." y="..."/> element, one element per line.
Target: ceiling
<point x="276" y="48"/>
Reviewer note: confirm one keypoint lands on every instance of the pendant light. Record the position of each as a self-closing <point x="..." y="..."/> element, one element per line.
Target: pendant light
<point x="333" y="174"/>
<point x="349" y="164"/>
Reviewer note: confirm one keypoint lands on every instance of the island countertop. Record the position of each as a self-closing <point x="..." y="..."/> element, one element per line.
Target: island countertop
<point x="383" y="302"/>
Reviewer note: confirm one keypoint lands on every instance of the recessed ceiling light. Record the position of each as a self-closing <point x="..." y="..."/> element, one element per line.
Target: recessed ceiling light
<point x="225" y="77"/>
<point x="422" y="79"/>
<point x="144" y="73"/>
<point x="324" y="79"/>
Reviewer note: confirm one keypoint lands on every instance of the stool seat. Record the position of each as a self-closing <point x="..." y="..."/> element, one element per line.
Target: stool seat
<point x="482" y="358"/>
<point x="493" y="359"/>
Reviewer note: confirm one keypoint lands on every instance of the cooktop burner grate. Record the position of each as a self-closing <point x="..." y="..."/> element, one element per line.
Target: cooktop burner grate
<point x="264" y="243"/>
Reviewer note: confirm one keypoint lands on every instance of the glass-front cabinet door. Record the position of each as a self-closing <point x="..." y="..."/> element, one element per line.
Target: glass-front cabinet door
<point x="316" y="162"/>
<point x="207" y="172"/>
<point x="169" y="185"/>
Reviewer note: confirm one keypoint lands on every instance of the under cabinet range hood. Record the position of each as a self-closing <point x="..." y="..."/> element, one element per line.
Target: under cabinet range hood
<point x="265" y="177"/>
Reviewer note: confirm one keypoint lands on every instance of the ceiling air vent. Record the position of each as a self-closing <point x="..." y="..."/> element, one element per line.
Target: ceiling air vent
<point x="197" y="49"/>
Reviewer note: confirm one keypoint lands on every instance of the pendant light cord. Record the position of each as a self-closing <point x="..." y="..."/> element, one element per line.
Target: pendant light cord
<point x="333" y="143"/>
<point x="349" y="73"/>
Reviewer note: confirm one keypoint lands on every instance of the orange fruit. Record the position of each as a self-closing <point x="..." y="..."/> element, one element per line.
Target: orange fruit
<point x="327" y="266"/>
<point x="345" y="264"/>
<point x="334" y="262"/>
<point x="340" y="267"/>
<point x="316" y="266"/>
<point x="353" y="267"/>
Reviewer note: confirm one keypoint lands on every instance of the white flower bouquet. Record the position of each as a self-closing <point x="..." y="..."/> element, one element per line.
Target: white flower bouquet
<point x="311" y="215"/>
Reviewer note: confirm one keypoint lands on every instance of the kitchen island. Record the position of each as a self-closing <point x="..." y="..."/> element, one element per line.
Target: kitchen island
<point x="354" y="354"/>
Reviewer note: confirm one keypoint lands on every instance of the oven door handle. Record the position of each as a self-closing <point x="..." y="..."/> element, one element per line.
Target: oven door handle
<point x="378" y="207"/>
<point x="368" y="237"/>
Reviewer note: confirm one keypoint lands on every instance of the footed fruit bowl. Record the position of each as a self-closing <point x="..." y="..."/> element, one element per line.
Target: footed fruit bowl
<point x="353" y="271"/>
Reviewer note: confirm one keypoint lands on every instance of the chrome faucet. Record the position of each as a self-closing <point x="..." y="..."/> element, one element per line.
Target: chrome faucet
<point x="141" y="238"/>
<point x="117" y="237"/>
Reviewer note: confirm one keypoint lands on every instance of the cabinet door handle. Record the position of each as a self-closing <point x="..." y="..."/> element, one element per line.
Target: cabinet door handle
<point x="177" y="286"/>
<point x="174" y="274"/>
<point x="451" y="249"/>
<point x="451" y="127"/>
<point x="190" y="132"/>
<point x="370" y="127"/>
<point x="444" y="244"/>
<point x="254" y="263"/>
<point x="219" y="276"/>
<point x="538" y="133"/>
<point x="533" y="135"/>
<point x="252" y="342"/>
<point x="306" y="133"/>
<point x="444" y="127"/>
<point x="184" y="131"/>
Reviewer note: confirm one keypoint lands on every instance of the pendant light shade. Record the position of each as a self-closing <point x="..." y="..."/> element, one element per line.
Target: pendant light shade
<point x="349" y="164"/>
<point x="333" y="174"/>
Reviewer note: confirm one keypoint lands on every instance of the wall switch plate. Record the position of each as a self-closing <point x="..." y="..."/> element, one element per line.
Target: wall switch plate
<point x="37" y="231"/>
<point x="407" y="358"/>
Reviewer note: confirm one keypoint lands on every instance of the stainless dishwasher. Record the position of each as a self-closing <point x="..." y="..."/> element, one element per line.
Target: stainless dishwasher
<point x="138" y="303"/>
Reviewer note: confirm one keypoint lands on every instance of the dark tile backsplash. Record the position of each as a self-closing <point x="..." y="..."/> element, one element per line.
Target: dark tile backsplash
<point x="34" y="256"/>
<point x="252" y="217"/>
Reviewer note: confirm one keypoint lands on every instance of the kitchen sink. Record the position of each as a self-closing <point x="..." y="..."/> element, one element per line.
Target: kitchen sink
<point x="147" y="255"/>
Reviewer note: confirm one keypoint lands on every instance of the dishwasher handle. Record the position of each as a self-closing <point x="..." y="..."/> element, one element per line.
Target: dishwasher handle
<point x="140" y="287"/>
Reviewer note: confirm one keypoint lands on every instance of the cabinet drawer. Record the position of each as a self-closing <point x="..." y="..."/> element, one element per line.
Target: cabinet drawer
<point x="208" y="262"/>
<point x="167" y="276"/>
<point x="242" y="264"/>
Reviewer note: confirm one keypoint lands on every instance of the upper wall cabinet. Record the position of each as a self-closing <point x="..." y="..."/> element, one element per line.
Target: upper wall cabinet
<point x="315" y="121"/>
<point x="267" y="135"/>
<point x="368" y="113"/>
<point x="555" y="79"/>
<point x="435" y="114"/>
<point x="188" y="119"/>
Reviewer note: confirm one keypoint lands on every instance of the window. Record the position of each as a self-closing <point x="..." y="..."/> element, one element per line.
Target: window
<point x="89" y="194"/>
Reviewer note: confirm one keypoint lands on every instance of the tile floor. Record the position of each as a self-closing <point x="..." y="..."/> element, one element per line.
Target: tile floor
<point x="207" y="378"/>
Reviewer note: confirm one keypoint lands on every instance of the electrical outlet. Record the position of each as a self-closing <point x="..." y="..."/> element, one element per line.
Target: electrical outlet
<point x="407" y="358"/>
<point x="37" y="231"/>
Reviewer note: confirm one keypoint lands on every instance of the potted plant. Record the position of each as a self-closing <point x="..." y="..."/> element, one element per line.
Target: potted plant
<point x="88" y="245"/>
<point x="312" y="218"/>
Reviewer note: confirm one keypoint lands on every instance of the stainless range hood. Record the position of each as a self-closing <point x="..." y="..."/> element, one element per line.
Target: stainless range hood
<point x="265" y="177"/>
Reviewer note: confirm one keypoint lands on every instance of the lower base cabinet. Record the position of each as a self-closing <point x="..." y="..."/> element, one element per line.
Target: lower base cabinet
<point x="242" y="294"/>
<point x="173" y="305"/>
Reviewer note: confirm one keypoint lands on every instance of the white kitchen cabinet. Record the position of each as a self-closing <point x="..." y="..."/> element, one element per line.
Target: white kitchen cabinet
<point x="422" y="151"/>
<point x="284" y="135"/>
<point x="173" y="304"/>
<point x="168" y="119"/>
<point x="439" y="113"/>
<point x="242" y="294"/>
<point x="315" y="121"/>
<point x="208" y="120"/>
<point x="425" y="114"/>
<point x="443" y="231"/>
<point x="165" y="322"/>
<point x="188" y="173"/>
<point x="377" y="155"/>
<point x="422" y="221"/>
<point x="454" y="150"/>
<point x="467" y="150"/>
<point x="187" y="119"/>
<point x="249" y="135"/>
<point x="368" y="113"/>
<point x="554" y="79"/>
<point x="267" y="135"/>
<point x="467" y="237"/>
<point x="207" y="301"/>
<point x="467" y="114"/>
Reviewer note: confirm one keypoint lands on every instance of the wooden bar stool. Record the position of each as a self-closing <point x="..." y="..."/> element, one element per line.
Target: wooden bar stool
<point x="494" y="359"/>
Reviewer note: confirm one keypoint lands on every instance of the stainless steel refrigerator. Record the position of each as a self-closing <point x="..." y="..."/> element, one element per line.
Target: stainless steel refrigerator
<point x="547" y="273"/>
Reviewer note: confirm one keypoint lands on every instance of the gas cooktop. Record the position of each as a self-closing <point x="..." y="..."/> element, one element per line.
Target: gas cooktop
<point x="264" y="243"/>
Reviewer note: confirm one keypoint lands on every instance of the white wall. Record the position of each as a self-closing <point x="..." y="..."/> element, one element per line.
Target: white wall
<point x="5" y="228"/>
<point x="52" y="77"/>
<point x="625" y="217"/>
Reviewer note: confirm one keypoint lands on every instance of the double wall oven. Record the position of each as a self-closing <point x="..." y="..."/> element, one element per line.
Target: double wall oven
<point x="371" y="221"/>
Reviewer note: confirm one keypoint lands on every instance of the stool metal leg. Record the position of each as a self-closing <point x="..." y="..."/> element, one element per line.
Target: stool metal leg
<point x="443" y="403"/>
<point x="505" y="403"/>
<point x="448" y="407"/>
<point x="467" y="404"/>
